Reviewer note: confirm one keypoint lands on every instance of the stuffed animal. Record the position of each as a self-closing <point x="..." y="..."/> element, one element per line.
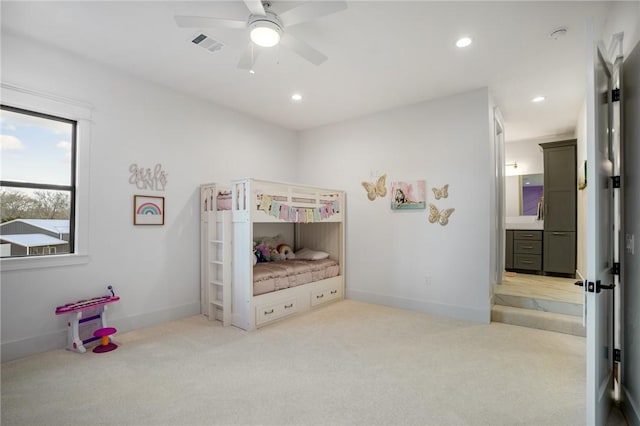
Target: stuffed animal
<point x="262" y="253"/>
<point x="286" y="252"/>
<point x="274" y="255"/>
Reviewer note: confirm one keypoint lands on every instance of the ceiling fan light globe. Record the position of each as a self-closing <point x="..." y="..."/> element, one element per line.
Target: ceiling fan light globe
<point x="265" y="33"/>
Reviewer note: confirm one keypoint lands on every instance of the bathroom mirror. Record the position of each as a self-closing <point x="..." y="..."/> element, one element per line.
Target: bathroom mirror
<point x="531" y="194"/>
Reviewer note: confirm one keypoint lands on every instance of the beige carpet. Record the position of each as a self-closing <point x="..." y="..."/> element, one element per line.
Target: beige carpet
<point x="347" y="363"/>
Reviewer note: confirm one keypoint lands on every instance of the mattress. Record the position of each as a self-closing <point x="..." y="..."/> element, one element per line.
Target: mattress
<point x="274" y="276"/>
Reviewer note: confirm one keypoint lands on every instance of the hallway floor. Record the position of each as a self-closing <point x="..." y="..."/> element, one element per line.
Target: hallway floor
<point x="540" y="287"/>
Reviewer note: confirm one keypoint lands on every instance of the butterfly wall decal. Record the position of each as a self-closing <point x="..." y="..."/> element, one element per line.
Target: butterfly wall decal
<point x="377" y="189"/>
<point x="442" y="217"/>
<point x="442" y="192"/>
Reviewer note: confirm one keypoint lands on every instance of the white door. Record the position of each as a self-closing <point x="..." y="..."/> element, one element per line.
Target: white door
<point x="598" y="299"/>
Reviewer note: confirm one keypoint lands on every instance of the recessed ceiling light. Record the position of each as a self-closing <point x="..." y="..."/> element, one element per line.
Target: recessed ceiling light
<point x="538" y="99"/>
<point x="297" y="97"/>
<point x="252" y="72"/>
<point x="464" y="42"/>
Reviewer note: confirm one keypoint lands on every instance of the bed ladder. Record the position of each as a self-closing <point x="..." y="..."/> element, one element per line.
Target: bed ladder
<point x="216" y="274"/>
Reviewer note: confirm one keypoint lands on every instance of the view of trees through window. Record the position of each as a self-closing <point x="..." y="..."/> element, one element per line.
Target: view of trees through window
<point x="37" y="183"/>
<point x="37" y="205"/>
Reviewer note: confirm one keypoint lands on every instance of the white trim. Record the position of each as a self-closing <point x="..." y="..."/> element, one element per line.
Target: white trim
<point x="56" y="340"/>
<point x="32" y="100"/>
<point x="630" y="408"/>
<point x="466" y="313"/>
<point x="46" y="103"/>
<point x="499" y="198"/>
<point x="34" y="262"/>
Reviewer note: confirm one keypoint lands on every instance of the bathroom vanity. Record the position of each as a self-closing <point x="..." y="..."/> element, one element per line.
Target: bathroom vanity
<point x="523" y="247"/>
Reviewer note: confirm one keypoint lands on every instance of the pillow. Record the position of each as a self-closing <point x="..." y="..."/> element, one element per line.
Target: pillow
<point x="308" y="254"/>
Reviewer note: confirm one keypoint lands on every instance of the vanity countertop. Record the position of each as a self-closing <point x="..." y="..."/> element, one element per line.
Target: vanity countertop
<point x="538" y="224"/>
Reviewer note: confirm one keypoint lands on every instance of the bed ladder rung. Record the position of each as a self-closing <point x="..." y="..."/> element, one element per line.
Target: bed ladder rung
<point x="219" y="256"/>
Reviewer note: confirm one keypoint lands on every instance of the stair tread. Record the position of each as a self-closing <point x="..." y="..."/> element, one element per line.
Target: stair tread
<point x="535" y="303"/>
<point x="534" y="312"/>
<point x="542" y="320"/>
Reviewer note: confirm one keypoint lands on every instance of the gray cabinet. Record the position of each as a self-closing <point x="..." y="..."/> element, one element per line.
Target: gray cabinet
<point x="560" y="252"/>
<point x="524" y="251"/>
<point x="560" y="208"/>
<point x="508" y="250"/>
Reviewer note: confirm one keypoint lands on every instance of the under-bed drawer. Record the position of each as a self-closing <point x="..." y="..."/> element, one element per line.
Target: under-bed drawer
<point x="273" y="311"/>
<point x="325" y="295"/>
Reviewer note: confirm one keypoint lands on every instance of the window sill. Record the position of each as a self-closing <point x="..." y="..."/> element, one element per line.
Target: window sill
<point x="35" y="262"/>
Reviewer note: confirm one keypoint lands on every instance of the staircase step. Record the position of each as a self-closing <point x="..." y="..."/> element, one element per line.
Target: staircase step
<point x="536" y="303"/>
<point x="551" y="321"/>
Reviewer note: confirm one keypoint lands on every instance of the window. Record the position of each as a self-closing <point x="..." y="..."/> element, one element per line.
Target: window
<point x="44" y="175"/>
<point x="37" y="182"/>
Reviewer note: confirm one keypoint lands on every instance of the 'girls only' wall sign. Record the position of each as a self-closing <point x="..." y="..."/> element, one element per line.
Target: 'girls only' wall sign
<point x="146" y="178"/>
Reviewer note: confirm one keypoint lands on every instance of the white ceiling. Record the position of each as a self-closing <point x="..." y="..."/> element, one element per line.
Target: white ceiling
<point x="382" y="54"/>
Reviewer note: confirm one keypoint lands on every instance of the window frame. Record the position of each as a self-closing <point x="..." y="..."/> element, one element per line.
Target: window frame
<point x="79" y="112"/>
<point x="71" y="188"/>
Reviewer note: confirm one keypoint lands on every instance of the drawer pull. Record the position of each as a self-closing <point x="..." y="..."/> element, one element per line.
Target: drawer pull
<point x="320" y="296"/>
<point x="268" y="312"/>
<point x="290" y="305"/>
<point x="527" y="247"/>
<point x="526" y="261"/>
<point x="334" y="291"/>
<point x="560" y="233"/>
<point x="527" y="235"/>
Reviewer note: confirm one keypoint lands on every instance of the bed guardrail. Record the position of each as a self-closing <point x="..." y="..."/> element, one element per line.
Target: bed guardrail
<point x="271" y="201"/>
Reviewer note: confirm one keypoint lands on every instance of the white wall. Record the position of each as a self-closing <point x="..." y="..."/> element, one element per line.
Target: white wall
<point x="399" y="258"/>
<point x="155" y="270"/>
<point x="528" y="155"/>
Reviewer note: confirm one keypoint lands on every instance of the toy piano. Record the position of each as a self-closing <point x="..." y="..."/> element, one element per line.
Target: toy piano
<point x="75" y="310"/>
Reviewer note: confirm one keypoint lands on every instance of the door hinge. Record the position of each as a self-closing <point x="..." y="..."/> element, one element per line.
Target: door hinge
<point x="615" y="270"/>
<point x="617" y="355"/>
<point x="616" y="181"/>
<point x="597" y="287"/>
<point x="615" y="95"/>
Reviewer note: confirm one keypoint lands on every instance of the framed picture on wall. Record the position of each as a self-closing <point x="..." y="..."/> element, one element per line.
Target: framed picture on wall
<point x="408" y="195"/>
<point x="148" y="210"/>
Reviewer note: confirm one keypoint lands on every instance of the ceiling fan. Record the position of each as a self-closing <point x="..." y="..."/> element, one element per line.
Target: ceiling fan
<point x="266" y="28"/>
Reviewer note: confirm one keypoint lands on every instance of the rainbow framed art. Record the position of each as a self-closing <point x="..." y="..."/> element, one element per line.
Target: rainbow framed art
<point x="148" y="210"/>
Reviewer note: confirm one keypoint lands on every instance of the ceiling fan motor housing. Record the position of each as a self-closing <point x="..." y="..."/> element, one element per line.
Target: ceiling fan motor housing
<point x="267" y="17"/>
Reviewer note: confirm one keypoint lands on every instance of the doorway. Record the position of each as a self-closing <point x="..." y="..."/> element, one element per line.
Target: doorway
<point x="525" y="295"/>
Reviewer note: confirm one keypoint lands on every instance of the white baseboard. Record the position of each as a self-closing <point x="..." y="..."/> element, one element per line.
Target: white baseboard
<point x="630" y="408"/>
<point x="58" y="340"/>
<point x="452" y="311"/>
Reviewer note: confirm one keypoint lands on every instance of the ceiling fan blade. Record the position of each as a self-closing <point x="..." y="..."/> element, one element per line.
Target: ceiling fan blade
<point x="309" y="11"/>
<point x="255" y="7"/>
<point x="205" y="22"/>
<point x="303" y="49"/>
<point x="248" y="58"/>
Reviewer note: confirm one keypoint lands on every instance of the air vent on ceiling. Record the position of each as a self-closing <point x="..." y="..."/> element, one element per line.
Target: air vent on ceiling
<point x="206" y="42"/>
